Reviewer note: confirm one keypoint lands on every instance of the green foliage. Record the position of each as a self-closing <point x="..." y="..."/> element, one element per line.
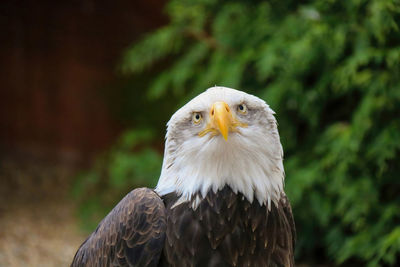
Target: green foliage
<point x="331" y="71"/>
<point x="130" y="163"/>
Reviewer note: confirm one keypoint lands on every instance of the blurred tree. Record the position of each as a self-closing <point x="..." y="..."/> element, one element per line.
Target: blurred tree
<point x="131" y="162"/>
<point x="331" y="71"/>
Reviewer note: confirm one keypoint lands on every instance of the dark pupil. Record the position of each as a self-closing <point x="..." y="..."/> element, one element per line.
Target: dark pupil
<point x="197" y="117"/>
<point x="241" y="107"/>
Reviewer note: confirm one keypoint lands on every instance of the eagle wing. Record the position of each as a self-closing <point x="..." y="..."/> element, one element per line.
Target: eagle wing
<point x="287" y="209"/>
<point x="132" y="234"/>
<point x="283" y="253"/>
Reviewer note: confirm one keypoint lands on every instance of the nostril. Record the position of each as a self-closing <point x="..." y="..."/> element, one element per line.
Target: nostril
<point x="227" y="108"/>
<point x="212" y="112"/>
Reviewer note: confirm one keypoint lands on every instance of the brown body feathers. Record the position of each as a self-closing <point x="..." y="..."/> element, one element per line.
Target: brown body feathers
<point x="224" y="230"/>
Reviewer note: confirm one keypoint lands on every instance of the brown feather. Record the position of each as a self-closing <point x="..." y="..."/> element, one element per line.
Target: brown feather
<point x="227" y="230"/>
<point x="132" y="234"/>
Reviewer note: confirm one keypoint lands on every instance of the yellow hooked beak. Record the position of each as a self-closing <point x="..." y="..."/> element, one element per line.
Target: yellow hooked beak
<point x="221" y="120"/>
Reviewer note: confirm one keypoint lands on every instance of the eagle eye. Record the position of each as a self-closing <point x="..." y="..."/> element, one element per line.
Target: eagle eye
<point x="196" y="118"/>
<point x="241" y="108"/>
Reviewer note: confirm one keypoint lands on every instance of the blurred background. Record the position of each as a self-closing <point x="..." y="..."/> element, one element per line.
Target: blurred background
<point x="88" y="86"/>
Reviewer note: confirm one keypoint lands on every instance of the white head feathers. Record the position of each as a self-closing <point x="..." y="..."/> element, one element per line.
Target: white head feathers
<point x="250" y="161"/>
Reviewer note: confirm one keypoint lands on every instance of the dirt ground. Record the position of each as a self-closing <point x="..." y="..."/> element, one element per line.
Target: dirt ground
<point x="38" y="224"/>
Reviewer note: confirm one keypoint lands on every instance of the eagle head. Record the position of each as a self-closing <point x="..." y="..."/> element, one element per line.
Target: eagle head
<point x="223" y="137"/>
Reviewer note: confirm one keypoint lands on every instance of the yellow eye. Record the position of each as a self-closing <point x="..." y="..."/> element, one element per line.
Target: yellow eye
<point x="242" y="109"/>
<point x="196" y="118"/>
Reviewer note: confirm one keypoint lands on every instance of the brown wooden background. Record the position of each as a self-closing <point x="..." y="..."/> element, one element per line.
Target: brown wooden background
<point x="56" y="56"/>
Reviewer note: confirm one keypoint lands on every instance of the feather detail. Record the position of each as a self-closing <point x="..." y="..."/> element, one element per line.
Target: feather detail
<point x="252" y="236"/>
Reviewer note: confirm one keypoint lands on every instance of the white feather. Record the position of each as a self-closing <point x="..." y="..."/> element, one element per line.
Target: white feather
<point x="250" y="161"/>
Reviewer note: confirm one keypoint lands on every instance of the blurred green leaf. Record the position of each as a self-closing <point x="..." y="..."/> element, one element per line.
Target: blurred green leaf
<point x="131" y="163"/>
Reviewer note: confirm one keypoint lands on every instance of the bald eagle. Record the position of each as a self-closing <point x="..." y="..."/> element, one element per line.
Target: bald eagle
<point x="219" y="201"/>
